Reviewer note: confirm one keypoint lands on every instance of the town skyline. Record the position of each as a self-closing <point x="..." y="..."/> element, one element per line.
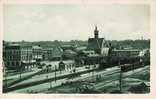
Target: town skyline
<point x="55" y="22"/>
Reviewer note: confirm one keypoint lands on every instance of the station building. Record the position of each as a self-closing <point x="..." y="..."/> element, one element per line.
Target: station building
<point x="99" y="45"/>
<point x="97" y="48"/>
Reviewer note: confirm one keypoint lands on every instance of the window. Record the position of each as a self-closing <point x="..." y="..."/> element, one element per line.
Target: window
<point x="8" y="63"/>
<point x="12" y="64"/>
<point x="17" y="63"/>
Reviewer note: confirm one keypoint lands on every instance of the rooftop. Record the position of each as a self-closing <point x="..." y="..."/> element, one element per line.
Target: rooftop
<point x="37" y="47"/>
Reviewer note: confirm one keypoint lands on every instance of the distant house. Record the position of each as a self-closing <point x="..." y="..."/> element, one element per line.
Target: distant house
<point x="47" y="53"/>
<point x="66" y="65"/>
<point x="68" y="47"/>
<point x="89" y="53"/>
<point x="81" y="48"/>
<point x="99" y="45"/>
<point x="69" y="54"/>
<point x="89" y="57"/>
<point x="125" y="53"/>
<point x="57" y="53"/>
<point x="61" y="65"/>
<point x="52" y="53"/>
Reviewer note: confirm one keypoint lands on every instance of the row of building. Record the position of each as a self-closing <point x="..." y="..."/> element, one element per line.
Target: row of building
<point x="15" y="55"/>
<point x="26" y="56"/>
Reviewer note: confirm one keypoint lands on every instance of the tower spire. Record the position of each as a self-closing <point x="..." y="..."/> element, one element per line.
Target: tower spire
<point x="96" y="32"/>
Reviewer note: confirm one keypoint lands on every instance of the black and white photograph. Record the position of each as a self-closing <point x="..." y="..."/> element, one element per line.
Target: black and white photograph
<point x="76" y="49"/>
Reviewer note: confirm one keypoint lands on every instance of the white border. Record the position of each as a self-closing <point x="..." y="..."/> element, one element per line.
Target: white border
<point x="151" y="95"/>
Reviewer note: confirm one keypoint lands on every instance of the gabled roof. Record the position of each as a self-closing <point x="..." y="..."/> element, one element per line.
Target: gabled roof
<point x="96" y="43"/>
<point x="37" y="47"/>
<point x="17" y="46"/>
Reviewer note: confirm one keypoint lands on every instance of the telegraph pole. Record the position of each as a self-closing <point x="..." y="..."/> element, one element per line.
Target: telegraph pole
<point x="49" y="75"/>
<point x="55" y="73"/>
<point x="20" y="72"/>
<point x="93" y="71"/>
<point x="92" y="74"/>
<point x="6" y="80"/>
<point x="50" y="84"/>
<point x="120" y="78"/>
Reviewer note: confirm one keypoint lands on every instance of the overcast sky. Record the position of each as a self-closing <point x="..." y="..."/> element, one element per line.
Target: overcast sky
<point x="75" y="22"/>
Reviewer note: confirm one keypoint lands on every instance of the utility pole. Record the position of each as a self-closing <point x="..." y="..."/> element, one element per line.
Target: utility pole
<point x="93" y="75"/>
<point x="27" y="59"/>
<point x="120" y="78"/>
<point x="20" y="72"/>
<point x="6" y="80"/>
<point x="55" y="73"/>
<point x="50" y="84"/>
<point x="94" y="66"/>
<point x="49" y="67"/>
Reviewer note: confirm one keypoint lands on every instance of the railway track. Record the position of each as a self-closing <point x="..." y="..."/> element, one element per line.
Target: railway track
<point x="115" y="70"/>
<point x="111" y="77"/>
<point x="108" y="78"/>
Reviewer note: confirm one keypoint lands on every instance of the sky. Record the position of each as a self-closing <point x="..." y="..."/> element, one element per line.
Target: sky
<point x="75" y="22"/>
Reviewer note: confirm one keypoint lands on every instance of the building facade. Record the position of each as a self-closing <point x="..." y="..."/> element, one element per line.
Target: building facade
<point x="37" y="53"/>
<point x="125" y="53"/>
<point x="52" y="53"/>
<point x="17" y="56"/>
<point x="47" y="54"/>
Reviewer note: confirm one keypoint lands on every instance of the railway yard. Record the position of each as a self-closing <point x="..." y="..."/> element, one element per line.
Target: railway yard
<point x="114" y="71"/>
<point x="82" y="80"/>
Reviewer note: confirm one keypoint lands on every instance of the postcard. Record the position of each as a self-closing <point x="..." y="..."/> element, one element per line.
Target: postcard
<point x="77" y="49"/>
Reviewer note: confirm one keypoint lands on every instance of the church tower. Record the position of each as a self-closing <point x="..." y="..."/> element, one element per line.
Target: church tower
<point x="96" y="33"/>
